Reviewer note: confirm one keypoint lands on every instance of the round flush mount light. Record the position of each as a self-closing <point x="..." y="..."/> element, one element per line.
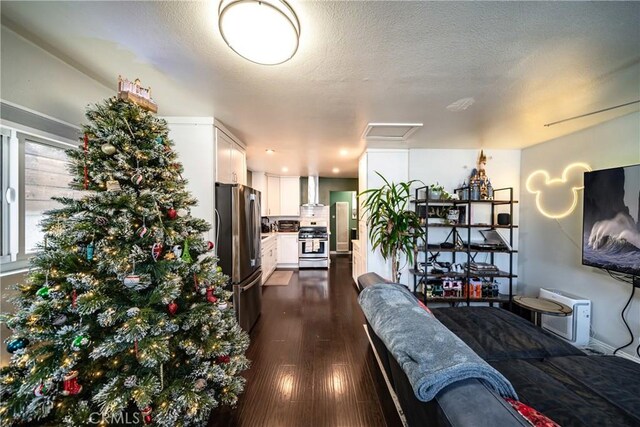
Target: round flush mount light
<point x="266" y="32"/>
<point x="335" y="170"/>
<point x="269" y="151"/>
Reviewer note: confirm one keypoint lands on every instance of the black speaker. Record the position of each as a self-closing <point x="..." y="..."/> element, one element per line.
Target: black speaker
<point x="504" y="219"/>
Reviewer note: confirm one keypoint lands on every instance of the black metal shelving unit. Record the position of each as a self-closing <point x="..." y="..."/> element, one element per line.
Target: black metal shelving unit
<point x="455" y="244"/>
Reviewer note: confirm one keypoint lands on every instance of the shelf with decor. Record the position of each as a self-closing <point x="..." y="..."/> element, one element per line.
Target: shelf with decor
<point x="456" y="213"/>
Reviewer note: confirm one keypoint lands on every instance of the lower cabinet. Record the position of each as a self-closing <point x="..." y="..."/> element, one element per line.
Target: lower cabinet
<point x="269" y="257"/>
<point x="357" y="267"/>
<point x="287" y="250"/>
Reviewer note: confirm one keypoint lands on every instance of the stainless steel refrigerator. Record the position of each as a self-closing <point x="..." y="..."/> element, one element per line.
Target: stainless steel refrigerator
<point x="238" y="248"/>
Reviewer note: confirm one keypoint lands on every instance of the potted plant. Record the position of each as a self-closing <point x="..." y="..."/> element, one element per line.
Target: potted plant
<point x="392" y="226"/>
<point x="435" y="191"/>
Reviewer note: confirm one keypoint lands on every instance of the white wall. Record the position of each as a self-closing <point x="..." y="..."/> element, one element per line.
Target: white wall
<point x="394" y="166"/>
<point x="33" y="78"/>
<point x="550" y="250"/>
<point x="450" y="168"/>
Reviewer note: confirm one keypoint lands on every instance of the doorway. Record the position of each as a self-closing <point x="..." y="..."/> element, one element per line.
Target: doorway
<point x="343" y="220"/>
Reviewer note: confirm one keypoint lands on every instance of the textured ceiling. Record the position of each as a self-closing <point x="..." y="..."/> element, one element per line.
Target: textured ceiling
<point x="525" y="64"/>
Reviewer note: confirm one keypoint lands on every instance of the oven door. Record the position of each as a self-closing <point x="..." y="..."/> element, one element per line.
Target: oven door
<point x="313" y="248"/>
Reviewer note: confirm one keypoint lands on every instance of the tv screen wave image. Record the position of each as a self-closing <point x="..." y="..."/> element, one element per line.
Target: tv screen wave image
<point x="611" y="223"/>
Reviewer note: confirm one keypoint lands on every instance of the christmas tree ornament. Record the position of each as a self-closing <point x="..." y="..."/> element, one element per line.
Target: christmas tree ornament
<point x="172" y="213"/>
<point x="146" y="415"/>
<point x="159" y="140"/>
<point x="177" y="251"/>
<point x="222" y="306"/>
<point x="59" y="320"/>
<point x="102" y="221"/>
<point x="200" y="384"/>
<point x="74" y="299"/>
<point x="172" y="308"/>
<point x="223" y="359"/>
<point x="80" y="342"/>
<point x="86" y="169"/>
<point x="40" y="390"/>
<point x="133" y="312"/>
<point x="182" y="212"/>
<point x="137" y="178"/>
<point x="43" y="292"/>
<point x="186" y="256"/>
<point x="169" y="256"/>
<point x="131" y="280"/>
<point x="142" y="231"/>
<point x="17" y="344"/>
<point x="211" y="297"/>
<point x="90" y="249"/>
<point x="209" y="245"/>
<point x="108" y="149"/>
<point x="156" y="250"/>
<point x="113" y="185"/>
<point x="70" y="384"/>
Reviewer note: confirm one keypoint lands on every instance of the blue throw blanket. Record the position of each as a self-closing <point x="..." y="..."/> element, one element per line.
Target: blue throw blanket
<point x="430" y="354"/>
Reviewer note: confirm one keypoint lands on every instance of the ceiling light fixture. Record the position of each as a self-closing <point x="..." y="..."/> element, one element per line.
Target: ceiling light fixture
<point x="335" y="170"/>
<point x="266" y="32"/>
<point x="344" y="152"/>
<point x="269" y="151"/>
<point x="285" y="169"/>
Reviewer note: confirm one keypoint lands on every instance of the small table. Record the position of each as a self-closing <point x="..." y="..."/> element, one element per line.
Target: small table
<point x="539" y="306"/>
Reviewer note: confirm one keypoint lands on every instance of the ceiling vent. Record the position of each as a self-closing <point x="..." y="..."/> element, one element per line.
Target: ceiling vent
<point x="390" y="131"/>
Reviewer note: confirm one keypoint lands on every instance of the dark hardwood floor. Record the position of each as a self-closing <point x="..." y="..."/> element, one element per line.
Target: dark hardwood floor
<point x="311" y="361"/>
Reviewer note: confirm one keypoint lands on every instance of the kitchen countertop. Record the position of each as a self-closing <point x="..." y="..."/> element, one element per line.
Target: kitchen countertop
<point x="266" y="236"/>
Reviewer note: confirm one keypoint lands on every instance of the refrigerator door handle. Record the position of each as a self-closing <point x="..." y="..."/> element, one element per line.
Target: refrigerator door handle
<point x="252" y="284"/>
<point x="252" y="237"/>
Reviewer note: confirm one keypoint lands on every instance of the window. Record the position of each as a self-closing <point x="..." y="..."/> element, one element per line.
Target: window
<point x="33" y="171"/>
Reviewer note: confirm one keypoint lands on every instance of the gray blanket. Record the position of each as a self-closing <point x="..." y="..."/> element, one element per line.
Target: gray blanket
<point x="430" y="354"/>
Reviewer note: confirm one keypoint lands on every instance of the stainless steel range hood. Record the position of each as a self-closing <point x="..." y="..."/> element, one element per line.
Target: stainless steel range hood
<point x="313" y="190"/>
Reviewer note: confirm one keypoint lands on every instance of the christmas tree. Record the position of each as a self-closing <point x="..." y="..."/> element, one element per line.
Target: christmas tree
<point x="124" y="317"/>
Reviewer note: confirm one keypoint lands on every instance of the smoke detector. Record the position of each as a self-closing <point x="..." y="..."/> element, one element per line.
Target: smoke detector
<point x="390" y="131"/>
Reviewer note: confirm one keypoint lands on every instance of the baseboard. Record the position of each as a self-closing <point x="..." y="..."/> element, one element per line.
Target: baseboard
<point x="392" y="392"/>
<point x="607" y="349"/>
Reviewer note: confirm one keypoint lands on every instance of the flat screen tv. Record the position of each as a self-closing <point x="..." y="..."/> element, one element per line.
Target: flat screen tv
<point x="611" y="226"/>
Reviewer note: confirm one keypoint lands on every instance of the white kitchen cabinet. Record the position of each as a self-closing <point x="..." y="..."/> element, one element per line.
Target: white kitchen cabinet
<point x="231" y="159"/>
<point x="194" y="139"/>
<point x="269" y="258"/>
<point x="287" y="249"/>
<point x="289" y="195"/>
<point x="273" y="195"/>
<point x="259" y="182"/>
<point x="357" y="263"/>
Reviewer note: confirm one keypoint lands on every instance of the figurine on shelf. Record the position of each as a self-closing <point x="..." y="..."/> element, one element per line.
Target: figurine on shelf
<point x="479" y="183"/>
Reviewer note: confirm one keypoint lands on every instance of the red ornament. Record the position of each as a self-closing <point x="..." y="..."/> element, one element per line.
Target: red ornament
<point x="156" y="250"/>
<point x="86" y="170"/>
<point x="74" y="298"/>
<point x="210" y="296"/>
<point x="172" y="213"/>
<point x="173" y="308"/>
<point x="135" y="347"/>
<point x="70" y="384"/>
<point x="209" y="245"/>
<point x="146" y="415"/>
<point x="223" y="359"/>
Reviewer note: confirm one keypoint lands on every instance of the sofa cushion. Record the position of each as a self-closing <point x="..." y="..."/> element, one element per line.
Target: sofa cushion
<point x="578" y="390"/>
<point x="497" y="334"/>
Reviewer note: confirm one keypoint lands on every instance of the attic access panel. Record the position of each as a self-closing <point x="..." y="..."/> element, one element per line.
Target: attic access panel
<point x="390" y="131"/>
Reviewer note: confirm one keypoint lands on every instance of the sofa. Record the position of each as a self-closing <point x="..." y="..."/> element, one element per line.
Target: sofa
<point x="548" y="374"/>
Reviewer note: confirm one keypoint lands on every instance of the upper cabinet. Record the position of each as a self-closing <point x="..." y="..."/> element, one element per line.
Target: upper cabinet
<point x="280" y="194"/>
<point x="289" y="195"/>
<point x="231" y="159"/>
<point x="273" y="195"/>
